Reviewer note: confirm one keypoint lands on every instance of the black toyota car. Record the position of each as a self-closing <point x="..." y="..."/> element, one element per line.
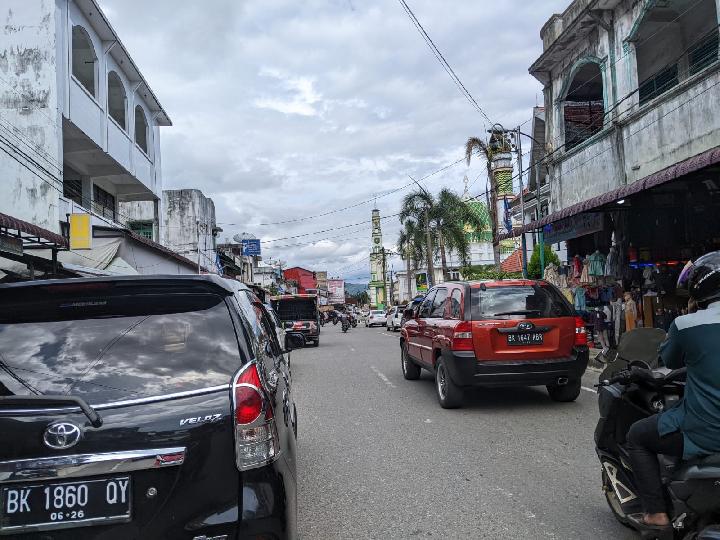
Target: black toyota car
<point x="144" y="408"/>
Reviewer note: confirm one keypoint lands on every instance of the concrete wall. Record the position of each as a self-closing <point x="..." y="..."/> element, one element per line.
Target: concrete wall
<point x="642" y="140"/>
<point x="188" y="218"/>
<point x="29" y="118"/>
<point x="151" y="261"/>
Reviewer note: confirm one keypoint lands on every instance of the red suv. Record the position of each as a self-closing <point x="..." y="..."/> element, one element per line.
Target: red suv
<point x="496" y="333"/>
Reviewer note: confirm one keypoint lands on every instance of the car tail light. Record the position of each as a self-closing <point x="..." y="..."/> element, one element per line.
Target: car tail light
<point x="462" y="337"/>
<point x="256" y="438"/>
<point x="581" y="337"/>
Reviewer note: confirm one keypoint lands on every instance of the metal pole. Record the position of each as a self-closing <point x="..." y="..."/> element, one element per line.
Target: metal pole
<point x="542" y="254"/>
<point x="384" y="271"/>
<point x="522" y="205"/>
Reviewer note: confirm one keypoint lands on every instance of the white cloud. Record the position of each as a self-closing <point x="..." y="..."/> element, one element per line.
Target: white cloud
<point x="286" y="109"/>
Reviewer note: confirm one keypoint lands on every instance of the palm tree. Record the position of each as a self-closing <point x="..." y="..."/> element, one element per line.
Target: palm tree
<point x="475" y="145"/>
<point x="411" y="247"/>
<point x="446" y="217"/>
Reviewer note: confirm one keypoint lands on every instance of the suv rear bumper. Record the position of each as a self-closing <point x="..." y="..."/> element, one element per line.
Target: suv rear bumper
<point x="466" y="370"/>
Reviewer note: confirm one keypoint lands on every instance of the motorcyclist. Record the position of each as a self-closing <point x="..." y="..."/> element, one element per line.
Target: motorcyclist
<point x="692" y="428"/>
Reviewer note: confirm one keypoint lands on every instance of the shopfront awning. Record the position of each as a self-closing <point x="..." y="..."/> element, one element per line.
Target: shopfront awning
<point x="690" y="165"/>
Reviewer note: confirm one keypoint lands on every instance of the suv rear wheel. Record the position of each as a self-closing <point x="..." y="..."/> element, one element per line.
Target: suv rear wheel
<point x="411" y="371"/>
<point x="566" y="392"/>
<point x="450" y="395"/>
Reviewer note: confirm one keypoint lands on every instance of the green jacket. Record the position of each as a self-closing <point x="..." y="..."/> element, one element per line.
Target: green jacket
<point x="694" y="341"/>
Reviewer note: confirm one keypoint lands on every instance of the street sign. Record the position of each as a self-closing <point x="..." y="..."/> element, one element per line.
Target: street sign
<point x="421" y="282"/>
<point x="251" y="247"/>
<point x="80" y="231"/>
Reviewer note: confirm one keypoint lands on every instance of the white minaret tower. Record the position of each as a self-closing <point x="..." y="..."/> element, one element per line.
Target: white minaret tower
<point x="377" y="256"/>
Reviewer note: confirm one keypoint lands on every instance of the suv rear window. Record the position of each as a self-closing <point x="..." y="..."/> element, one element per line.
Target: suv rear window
<point x="295" y="309"/>
<point x="518" y="302"/>
<point x="118" y="347"/>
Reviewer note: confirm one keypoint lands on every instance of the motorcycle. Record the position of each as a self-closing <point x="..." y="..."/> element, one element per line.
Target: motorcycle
<point x="345" y="325"/>
<point x="633" y="386"/>
<point x="353" y="321"/>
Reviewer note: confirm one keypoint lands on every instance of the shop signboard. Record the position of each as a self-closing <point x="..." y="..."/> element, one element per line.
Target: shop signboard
<point x="250" y="247"/>
<point x="573" y="227"/>
<point x="80" y="231"/>
<point x="336" y="291"/>
<point x="421" y="282"/>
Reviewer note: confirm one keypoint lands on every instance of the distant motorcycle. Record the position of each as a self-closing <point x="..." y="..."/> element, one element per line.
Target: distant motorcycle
<point x="345" y="325"/>
<point x="353" y="321"/>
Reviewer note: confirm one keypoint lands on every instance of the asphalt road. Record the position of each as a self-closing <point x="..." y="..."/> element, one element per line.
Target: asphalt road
<point x="378" y="457"/>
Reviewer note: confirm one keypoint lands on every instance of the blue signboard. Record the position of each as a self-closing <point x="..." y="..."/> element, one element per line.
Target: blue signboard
<point x="251" y="247"/>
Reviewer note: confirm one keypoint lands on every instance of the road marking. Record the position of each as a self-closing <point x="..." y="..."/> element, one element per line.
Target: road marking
<point x="589" y="389"/>
<point x="352" y="349"/>
<point x="389" y="335"/>
<point x="383" y="378"/>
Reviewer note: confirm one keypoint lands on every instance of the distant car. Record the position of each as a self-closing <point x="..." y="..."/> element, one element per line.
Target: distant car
<point x="496" y="333"/>
<point x="299" y="313"/>
<point x="394" y="318"/>
<point x="376" y="317"/>
<point x="144" y="407"/>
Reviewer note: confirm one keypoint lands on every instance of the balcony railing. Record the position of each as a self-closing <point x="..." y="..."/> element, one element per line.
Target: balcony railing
<point x="700" y="55"/>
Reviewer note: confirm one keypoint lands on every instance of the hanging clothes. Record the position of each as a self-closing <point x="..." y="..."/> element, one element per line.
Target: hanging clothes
<point x="552" y="275"/>
<point x="631" y="313"/>
<point x="577" y="266"/>
<point x="612" y="263"/>
<point x="580" y="304"/>
<point x="585" y="274"/>
<point x="568" y="293"/>
<point x="597" y="264"/>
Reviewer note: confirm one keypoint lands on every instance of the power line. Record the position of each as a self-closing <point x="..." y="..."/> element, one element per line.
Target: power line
<point x="443" y="62"/>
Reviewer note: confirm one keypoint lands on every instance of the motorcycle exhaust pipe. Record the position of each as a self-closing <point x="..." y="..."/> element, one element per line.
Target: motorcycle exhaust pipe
<point x="562" y="381"/>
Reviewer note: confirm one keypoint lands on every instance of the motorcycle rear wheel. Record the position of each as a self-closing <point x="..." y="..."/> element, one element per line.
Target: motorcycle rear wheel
<point x="613" y="501"/>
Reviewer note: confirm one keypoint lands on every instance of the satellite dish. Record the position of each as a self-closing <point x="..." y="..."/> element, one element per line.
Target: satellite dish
<point x="243" y="236"/>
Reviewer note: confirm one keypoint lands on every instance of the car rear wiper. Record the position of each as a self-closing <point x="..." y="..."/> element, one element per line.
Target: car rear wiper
<point x="518" y="312"/>
<point x="91" y="413"/>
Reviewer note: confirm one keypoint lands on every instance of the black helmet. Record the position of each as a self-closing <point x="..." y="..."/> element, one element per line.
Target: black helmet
<point x="702" y="278"/>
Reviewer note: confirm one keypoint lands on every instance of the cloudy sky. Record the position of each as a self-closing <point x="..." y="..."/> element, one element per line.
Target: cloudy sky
<point x="283" y="110"/>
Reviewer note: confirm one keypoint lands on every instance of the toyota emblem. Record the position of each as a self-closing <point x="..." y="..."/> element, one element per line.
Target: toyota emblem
<point x="61" y="435"/>
<point x="526" y="326"/>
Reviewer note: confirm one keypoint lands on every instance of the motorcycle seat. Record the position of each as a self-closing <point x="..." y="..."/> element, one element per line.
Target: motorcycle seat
<point x="699" y="469"/>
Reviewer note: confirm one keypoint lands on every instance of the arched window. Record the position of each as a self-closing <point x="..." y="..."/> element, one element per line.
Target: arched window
<point x="672" y="43"/>
<point x="584" y="106"/>
<point x="116" y="99"/>
<point x="141" y="129"/>
<point x="84" y="60"/>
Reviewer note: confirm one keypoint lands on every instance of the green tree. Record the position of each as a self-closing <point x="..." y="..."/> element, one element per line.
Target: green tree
<point x="534" y="264"/>
<point x="488" y="272"/>
<point x="446" y="215"/>
<point x="411" y="246"/>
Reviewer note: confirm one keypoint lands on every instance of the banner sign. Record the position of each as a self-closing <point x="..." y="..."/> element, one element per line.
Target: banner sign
<point x="421" y="283"/>
<point x="80" y="231"/>
<point x="573" y="227"/>
<point x="251" y="247"/>
<point x="336" y="291"/>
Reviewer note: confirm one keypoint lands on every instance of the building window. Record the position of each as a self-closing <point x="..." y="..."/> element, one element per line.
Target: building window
<point x="584" y="106"/>
<point x="672" y="44"/>
<point x="143" y="228"/>
<point x="141" y="129"/>
<point x="103" y="202"/>
<point x="116" y="99"/>
<point x="84" y="60"/>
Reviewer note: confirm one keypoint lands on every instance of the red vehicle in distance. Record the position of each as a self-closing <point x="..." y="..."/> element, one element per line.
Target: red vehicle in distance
<point x="495" y="333"/>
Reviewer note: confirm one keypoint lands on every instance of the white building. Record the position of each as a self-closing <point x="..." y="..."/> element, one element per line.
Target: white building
<point x="80" y="126"/>
<point x="632" y="133"/>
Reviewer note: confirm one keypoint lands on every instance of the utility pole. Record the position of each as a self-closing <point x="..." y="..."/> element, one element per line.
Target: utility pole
<point x="384" y="272"/>
<point x="428" y="241"/>
<point x="523" y="243"/>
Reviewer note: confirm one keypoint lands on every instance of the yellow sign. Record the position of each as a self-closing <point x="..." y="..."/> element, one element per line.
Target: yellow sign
<point x="80" y="231"/>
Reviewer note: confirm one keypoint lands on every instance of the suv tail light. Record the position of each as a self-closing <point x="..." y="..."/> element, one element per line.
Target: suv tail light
<point x="256" y="438"/>
<point x="581" y="337"/>
<point x="462" y="337"/>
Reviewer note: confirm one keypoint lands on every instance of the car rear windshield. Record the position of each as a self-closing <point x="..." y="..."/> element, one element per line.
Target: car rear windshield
<point x="377" y="312"/>
<point x="295" y="309"/>
<point x="117" y="347"/>
<point x="518" y="302"/>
